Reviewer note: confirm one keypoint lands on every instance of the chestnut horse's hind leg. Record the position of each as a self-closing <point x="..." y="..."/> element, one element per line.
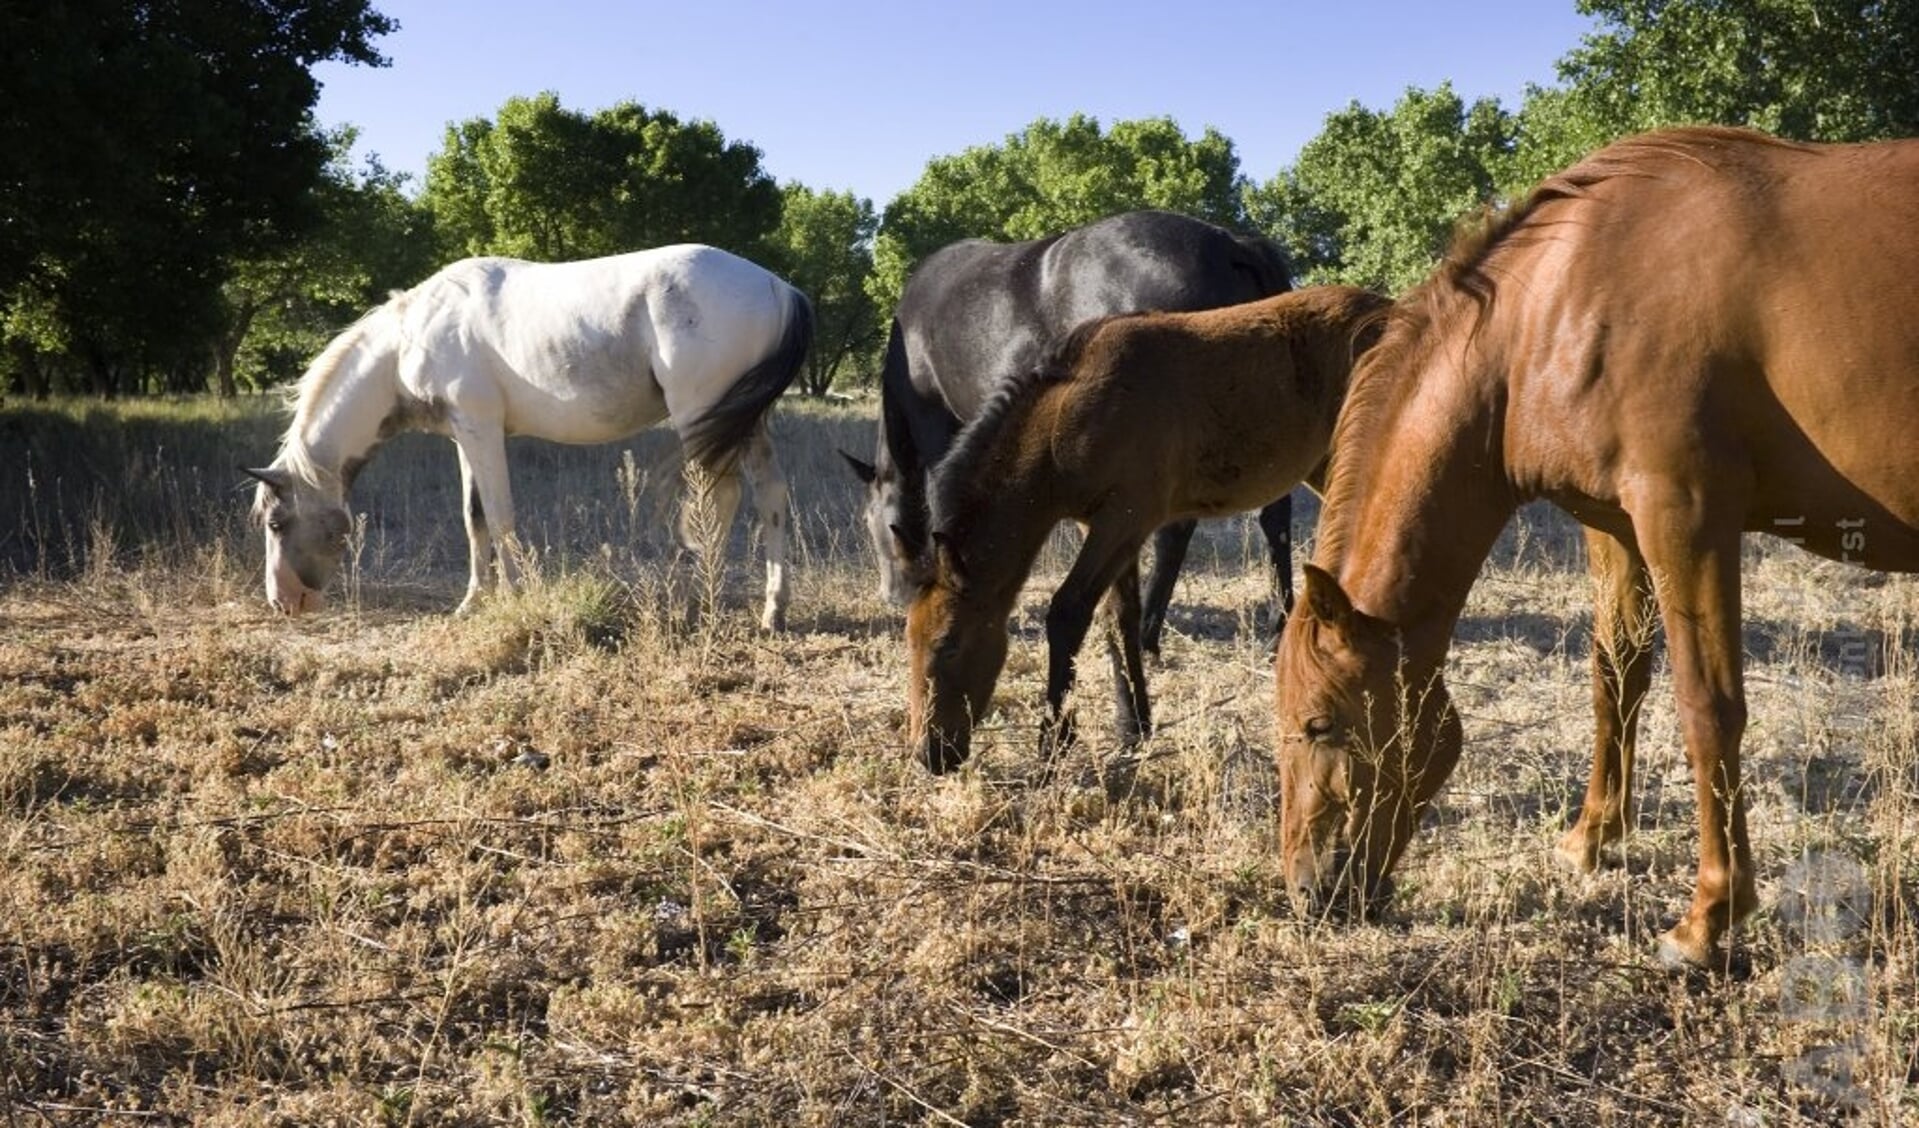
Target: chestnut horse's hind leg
<point x="1169" y="553"/>
<point x="1621" y="671"/>
<point x="1132" y="711"/>
<point x="1102" y="558"/>
<point x="1692" y="550"/>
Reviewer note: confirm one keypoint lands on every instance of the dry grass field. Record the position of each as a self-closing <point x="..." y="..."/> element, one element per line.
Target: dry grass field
<point x="603" y="853"/>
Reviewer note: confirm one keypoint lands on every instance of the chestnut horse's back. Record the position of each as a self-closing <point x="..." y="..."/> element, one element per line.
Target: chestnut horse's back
<point x="1731" y="301"/>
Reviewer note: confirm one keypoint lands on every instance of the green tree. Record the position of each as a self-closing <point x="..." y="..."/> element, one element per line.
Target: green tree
<point x="145" y="147"/>
<point x="1372" y="200"/>
<point x="1828" y="70"/>
<point x="282" y="308"/>
<point x="825" y="242"/>
<point x="544" y="182"/>
<point x="1051" y="176"/>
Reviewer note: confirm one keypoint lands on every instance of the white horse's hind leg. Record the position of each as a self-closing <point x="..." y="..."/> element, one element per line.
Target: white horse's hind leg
<point x="488" y="501"/>
<point x="773" y="505"/>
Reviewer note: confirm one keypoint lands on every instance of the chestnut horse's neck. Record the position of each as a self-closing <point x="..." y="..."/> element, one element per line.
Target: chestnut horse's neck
<point x="1418" y="490"/>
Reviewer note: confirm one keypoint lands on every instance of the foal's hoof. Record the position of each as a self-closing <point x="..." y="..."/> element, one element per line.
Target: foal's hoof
<point x="1576" y="853"/>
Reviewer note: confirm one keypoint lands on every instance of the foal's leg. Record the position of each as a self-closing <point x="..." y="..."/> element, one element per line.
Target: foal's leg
<point x="1132" y="712"/>
<point x="1276" y="521"/>
<point x="1621" y="670"/>
<point x="483" y="472"/>
<point x="1692" y="551"/>
<point x="1169" y="553"/>
<point x="1103" y="556"/>
<point x="774" y="507"/>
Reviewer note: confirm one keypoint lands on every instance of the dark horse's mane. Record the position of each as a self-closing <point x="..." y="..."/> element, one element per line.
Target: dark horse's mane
<point x="1469" y="273"/>
<point x="958" y="480"/>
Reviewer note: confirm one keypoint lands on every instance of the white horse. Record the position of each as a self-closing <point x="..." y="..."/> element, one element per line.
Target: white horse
<point x="580" y="352"/>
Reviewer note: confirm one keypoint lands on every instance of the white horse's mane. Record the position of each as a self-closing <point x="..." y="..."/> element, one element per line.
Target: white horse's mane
<point x="307" y="396"/>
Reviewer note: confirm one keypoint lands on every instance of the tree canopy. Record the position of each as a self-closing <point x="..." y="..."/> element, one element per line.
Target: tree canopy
<point x="1050" y="176"/>
<point x="544" y="182"/>
<point x="145" y="146"/>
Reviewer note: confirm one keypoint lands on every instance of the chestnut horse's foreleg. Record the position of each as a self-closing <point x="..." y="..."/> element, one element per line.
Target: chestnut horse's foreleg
<point x="487" y="501"/>
<point x="1621" y="671"/>
<point x="773" y="505"/>
<point x="1276" y="521"/>
<point x="1132" y="712"/>
<point x="1693" y="554"/>
<point x="1102" y="558"/>
<point x="1169" y="553"/>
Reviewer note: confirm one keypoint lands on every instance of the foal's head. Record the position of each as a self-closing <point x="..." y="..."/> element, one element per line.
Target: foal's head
<point x="956" y="646"/>
<point x="1364" y="743"/>
<point x="306" y="533"/>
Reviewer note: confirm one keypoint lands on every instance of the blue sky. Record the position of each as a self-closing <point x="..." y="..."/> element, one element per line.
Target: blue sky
<point x="860" y="95"/>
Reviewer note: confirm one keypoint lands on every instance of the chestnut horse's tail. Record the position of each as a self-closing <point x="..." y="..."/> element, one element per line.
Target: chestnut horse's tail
<point x="715" y="439"/>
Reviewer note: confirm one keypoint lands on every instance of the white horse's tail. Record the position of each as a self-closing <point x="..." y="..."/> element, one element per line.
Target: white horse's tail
<point x="714" y="440"/>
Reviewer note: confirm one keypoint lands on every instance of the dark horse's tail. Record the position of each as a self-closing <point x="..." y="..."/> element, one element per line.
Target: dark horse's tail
<point x="1264" y="265"/>
<point x="714" y="440"/>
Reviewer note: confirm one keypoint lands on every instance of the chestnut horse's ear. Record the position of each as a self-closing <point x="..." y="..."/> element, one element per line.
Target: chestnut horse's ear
<point x="865" y="471"/>
<point x="1325" y="599"/>
<point x="272" y="477"/>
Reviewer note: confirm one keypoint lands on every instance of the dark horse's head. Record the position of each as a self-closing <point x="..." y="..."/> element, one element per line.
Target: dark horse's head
<point x="956" y="645"/>
<point x="885" y="511"/>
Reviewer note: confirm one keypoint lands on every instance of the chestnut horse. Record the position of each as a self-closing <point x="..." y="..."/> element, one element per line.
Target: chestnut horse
<point x="1132" y="422"/>
<point x="1687" y="335"/>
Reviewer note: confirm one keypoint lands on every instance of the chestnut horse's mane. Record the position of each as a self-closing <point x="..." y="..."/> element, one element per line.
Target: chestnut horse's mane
<point x="958" y="477"/>
<point x="1469" y="273"/>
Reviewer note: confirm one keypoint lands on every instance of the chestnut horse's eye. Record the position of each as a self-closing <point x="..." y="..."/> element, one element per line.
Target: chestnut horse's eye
<point x="276" y="525"/>
<point x="1319" y="728"/>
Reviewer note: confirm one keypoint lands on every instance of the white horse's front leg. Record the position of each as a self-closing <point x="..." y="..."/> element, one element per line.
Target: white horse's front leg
<point x="487" y="501"/>
<point x="773" y="505"/>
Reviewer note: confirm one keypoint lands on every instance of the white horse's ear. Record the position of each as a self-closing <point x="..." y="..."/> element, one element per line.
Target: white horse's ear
<point x="865" y="471"/>
<point x="272" y="477"/>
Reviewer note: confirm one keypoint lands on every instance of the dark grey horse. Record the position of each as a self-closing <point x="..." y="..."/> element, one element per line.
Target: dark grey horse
<point x="976" y="312"/>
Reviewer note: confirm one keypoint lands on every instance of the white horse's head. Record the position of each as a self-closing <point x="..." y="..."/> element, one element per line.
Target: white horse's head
<point x="306" y="528"/>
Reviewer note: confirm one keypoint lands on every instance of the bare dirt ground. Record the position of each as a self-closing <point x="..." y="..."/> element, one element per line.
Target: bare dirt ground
<point x="603" y="853"/>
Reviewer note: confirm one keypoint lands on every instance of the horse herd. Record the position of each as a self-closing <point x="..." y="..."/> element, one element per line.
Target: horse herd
<point x="1687" y="335"/>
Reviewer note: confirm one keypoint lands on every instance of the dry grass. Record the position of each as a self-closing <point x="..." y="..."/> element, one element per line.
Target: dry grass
<point x="593" y="856"/>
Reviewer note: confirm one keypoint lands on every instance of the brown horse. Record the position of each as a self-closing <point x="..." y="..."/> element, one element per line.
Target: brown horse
<point x="1689" y="334"/>
<point x="1132" y="422"/>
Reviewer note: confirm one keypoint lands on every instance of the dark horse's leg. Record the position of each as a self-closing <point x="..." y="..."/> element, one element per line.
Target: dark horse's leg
<point x="1622" y="669"/>
<point x="1102" y="559"/>
<point x="1276" y="521"/>
<point x="1132" y="712"/>
<point x="1169" y="552"/>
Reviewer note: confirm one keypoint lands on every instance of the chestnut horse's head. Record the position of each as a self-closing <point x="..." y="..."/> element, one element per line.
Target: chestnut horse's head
<point x="306" y="533"/>
<point x="956" y="646"/>
<point x="1364" y="742"/>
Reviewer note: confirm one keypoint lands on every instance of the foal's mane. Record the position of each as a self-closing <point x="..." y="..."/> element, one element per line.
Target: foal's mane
<point x="959" y="479"/>
<point x="1469" y="273"/>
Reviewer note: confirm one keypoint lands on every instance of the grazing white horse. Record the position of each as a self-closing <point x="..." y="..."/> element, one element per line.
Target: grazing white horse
<point x="579" y="352"/>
